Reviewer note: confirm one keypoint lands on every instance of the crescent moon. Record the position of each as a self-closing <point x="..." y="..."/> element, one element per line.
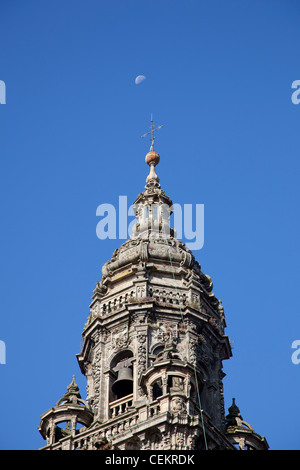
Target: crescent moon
<point x="139" y="79"/>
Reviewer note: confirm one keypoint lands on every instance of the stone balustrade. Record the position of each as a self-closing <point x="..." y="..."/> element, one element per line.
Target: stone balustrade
<point x="120" y="406"/>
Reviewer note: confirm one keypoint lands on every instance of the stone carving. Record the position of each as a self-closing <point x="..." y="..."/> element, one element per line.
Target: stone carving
<point x="163" y="332"/>
<point x="95" y="310"/>
<point x="193" y="350"/>
<point x="119" y="338"/>
<point x="139" y="249"/>
<point x="180" y="439"/>
<point x="100" y="289"/>
<point x="95" y="337"/>
<point x="177" y="405"/>
<point x="141" y="350"/>
<point x="141" y="357"/>
<point x="166" y="441"/>
<point x="177" y="384"/>
<point x="144" y="250"/>
<point x="96" y="374"/>
<point x="141" y="291"/>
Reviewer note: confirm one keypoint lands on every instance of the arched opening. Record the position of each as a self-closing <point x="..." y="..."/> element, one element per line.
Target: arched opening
<point x="157" y="389"/>
<point x="154" y="439"/>
<point x="123" y="385"/>
<point x="121" y="376"/>
<point x="133" y="444"/>
<point x="156" y="351"/>
<point x="64" y="428"/>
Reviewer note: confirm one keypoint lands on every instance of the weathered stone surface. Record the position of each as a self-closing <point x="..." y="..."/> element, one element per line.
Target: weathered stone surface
<point x="154" y="314"/>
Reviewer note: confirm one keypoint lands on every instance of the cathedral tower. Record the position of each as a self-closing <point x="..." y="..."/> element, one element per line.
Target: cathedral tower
<point x="153" y="348"/>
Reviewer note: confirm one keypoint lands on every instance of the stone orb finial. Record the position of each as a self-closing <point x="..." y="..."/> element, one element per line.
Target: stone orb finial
<point x="152" y="158"/>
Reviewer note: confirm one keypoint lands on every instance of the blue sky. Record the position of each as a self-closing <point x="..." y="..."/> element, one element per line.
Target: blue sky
<point x="219" y="78"/>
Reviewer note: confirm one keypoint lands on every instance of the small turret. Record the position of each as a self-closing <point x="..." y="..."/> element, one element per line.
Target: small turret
<point x="62" y="420"/>
<point x="240" y="433"/>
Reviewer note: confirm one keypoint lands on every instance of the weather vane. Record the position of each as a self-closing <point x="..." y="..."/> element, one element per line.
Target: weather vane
<point x="152" y="133"/>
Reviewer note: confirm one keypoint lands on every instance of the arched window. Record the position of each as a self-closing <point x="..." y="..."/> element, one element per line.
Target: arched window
<point x="157" y="350"/>
<point x="121" y="383"/>
<point x="157" y="389"/>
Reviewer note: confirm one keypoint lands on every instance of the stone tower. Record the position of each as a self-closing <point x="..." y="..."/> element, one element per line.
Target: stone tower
<point x="153" y="348"/>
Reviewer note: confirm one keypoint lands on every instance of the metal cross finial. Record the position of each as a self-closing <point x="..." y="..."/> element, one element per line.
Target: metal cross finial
<point x="152" y="133"/>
